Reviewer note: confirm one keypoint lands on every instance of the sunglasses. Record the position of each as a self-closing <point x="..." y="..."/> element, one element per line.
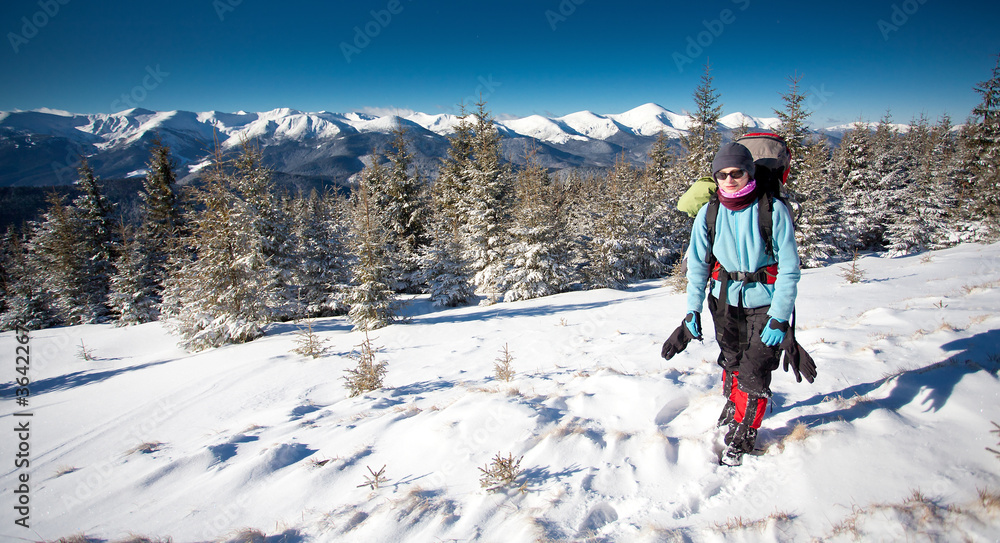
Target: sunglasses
<point x="735" y="174"/>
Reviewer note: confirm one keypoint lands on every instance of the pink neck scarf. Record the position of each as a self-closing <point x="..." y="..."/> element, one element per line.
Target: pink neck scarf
<point x="741" y="199"/>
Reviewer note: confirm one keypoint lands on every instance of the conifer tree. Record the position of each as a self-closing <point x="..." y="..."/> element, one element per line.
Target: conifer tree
<point x="445" y="272"/>
<point x="26" y="302"/>
<point x="703" y="138"/>
<point x="92" y="213"/>
<point x="982" y="138"/>
<point x="793" y="124"/>
<point x="405" y="211"/>
<point x="667" y="228"/>
<point x="540" y="254"/>
<point x="945" y="173"/>
<point x="918" y="212"/>
<point x="485" y="232"/>
<point x="371" y="298"/>
<point x="614" y="250"/>
<point x="861" y="212"/>
<point x="134" y="296"/>
<point x="321" y="229"/>
<point x="810" y="192"/>
<point x="224" y="292"/>
<point x="444" y="268"/>
<point x="56" y="252"/>
<point x="817" y="226"/>
<point x="268" y="222"/>
<point x="450" y="192"/>
<point x="160" y="214"/>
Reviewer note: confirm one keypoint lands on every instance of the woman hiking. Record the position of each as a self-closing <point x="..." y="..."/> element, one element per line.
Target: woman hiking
<point x="751" y="293"/>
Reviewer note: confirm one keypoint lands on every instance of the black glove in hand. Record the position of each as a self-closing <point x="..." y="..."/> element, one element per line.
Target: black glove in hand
<point x="679" y="339"/>
<point x="795" y="355"/>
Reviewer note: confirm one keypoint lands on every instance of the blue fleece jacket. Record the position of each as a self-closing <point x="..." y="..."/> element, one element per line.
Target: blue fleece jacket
<point x="739" y="247"/>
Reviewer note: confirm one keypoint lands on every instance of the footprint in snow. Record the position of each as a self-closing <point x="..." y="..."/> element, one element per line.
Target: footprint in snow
<point x="598" y="517"/>
<point x="670" y="411"/>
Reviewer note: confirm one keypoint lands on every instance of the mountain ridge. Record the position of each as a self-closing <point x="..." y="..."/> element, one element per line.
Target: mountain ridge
<point x="42" y="147"/>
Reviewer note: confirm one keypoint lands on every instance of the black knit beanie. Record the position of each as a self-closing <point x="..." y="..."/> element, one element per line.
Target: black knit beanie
<point x="733" y="155"/>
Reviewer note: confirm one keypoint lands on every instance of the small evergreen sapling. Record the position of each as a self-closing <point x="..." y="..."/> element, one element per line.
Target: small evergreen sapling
<point x="502" y="369"/>
<point x="368" y="374"/>
<point x="309" y="344"/>
<point x="501" y="473"/>
<point x="376" y="479"/>
<point x="853" y="274"/>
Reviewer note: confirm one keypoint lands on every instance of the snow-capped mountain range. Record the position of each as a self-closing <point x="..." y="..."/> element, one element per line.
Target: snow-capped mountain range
<point x="42" y="147"/>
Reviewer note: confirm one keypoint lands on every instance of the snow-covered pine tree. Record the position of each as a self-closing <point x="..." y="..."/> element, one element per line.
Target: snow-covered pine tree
<point x="162" y="226"/>
<point x="92" y="213"/>
<point x="861" y="212"/>
<point x="809" y="188"/>
<point x="445" y="272"/>
<point x="615" y="251"/>
<point x="133" y="298"/>
<point x="703" y="138"/>
<point x="370" y="296"/>
<point x="405" y="211"/>
<point x="485" y="232"/>
<point x="450" y="191"/>
<point x="893" y="171"/>
<point x="792" y="126"/>
<point x="817" y="225"/>
<point x="444" y="268"/>
<point x="220" y="295"/>
<point x="982" y="139"/>
<point x="269" y="222"/>
<point x="321" y="229"/>
<point x="665" y="228"/>
<point x="945" y="173"/>
<point x="26" y="302"/>
<point x="919" y="210"/>
<point x="56" y="253"/>
<point x="540" y="253"/>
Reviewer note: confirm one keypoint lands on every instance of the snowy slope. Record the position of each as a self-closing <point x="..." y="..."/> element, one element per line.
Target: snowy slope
<point x="617" y="444"/>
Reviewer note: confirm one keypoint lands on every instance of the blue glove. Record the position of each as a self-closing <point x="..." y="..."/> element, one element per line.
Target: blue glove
<point x="693" y="323"/>
<point x="774" y="332"/>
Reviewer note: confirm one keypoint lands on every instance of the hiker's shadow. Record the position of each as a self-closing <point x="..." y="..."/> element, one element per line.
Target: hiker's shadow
<point x="935" y="382"/>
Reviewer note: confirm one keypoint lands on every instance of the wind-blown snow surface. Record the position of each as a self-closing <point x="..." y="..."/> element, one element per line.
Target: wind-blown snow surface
<point x="618" y="444"/>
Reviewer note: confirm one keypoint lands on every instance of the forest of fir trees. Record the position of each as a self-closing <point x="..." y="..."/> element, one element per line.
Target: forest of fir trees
<point x="219" y="260"/>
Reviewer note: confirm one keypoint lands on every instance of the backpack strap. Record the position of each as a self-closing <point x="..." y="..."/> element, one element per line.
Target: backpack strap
<point x="711" y="215"/>
<point x="766" y="222"/>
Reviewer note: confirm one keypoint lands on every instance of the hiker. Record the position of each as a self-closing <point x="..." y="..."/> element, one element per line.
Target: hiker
<point x="752" y="292"/>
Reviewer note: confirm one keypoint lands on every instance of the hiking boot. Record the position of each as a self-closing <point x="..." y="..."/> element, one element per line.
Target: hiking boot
<point x="732" y="457"/>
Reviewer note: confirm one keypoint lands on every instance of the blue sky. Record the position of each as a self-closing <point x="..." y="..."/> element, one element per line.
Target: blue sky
<point x="551" y="57"/>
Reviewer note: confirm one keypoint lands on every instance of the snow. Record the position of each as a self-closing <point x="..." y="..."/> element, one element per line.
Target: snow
<point x="617" y="444"/>
<point x="107" y="131"/>
<point x="651" y="119"/>
<point x="591" y="124"/>
<point x="543" y="128"/>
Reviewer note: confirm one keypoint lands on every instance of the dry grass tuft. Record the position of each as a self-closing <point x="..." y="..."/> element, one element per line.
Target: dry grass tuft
<point x="148" y="447"/>
<point x="989" y="499"/>
<point x="740" y="523"/>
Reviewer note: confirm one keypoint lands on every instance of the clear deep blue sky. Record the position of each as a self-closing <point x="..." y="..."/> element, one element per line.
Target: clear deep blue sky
<point x="552" y="57"/>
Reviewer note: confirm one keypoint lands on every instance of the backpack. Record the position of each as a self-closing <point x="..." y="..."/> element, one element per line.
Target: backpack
<point x="772" y="161"/>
